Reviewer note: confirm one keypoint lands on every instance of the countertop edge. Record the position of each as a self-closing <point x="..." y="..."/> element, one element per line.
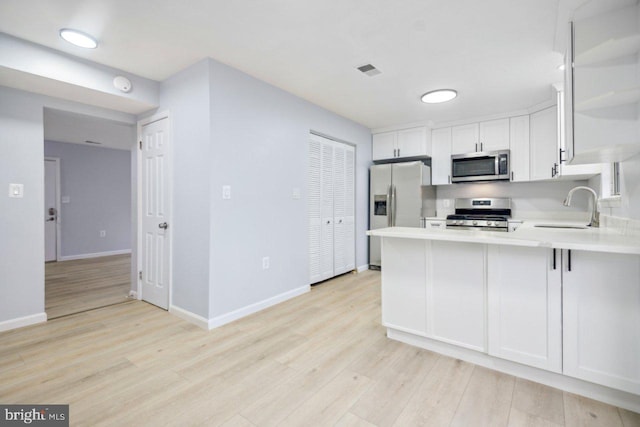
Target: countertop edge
<point x="609" y="244"/>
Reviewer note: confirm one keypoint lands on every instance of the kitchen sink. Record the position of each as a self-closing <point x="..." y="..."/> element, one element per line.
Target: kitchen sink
<point x="566" y="226"/>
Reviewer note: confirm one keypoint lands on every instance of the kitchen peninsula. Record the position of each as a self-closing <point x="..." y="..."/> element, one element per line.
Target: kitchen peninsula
<point x="557" y="306"/>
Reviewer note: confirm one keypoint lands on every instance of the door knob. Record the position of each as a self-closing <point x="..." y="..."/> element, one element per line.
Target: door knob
<point x="51" y="219"/>
<point x="163" y="225"/>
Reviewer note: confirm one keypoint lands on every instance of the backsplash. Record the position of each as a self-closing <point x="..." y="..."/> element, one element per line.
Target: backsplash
<point x="529" y="200"/>
<point x="625" y="226"/>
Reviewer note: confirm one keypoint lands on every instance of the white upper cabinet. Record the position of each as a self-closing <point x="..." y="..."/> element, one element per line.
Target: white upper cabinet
<point x="384" y="145"/>
<point x="464" y="138"/>
<point x="441" y="156"/>
<point x="413" y="142"/>
<point x="490" y="135"/>
<point x="519" y="146"/>
<point x="605" y="80"/>
<point x="543" y="141"/>
<point x="547" y="150"/>
<point x="494" y="135"/>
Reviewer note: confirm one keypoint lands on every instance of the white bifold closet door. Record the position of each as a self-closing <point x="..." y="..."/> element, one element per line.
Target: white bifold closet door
<point x="331" y="208"/>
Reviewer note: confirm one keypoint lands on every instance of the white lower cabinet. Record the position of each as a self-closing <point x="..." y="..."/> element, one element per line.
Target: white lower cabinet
<point x="524" y="305"/>
<point x="576" y="313"/>
<point x="403" y="285"/>
<point x="601" y="318"/>
<point x="456" y="293"/>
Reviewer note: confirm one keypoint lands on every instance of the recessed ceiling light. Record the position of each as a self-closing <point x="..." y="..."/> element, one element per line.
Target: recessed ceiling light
<point x="561" y="67"/>
<point x="440" y="95"/>
<point x="78" y="38"/>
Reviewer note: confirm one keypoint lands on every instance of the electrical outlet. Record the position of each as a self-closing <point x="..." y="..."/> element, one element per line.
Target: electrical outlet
<point x="265" y="263"/>
<point x="103" y="233"/>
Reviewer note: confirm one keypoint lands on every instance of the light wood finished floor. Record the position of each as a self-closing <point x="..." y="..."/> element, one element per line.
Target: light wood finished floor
<point x="85" y="284"/>
<point x="321" y="359"/>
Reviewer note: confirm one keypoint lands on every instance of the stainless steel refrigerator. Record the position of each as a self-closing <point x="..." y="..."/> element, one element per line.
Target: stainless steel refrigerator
<point x="400" y="194"/>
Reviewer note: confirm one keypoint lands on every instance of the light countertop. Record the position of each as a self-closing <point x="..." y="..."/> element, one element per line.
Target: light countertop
<point x="590" y="239"/>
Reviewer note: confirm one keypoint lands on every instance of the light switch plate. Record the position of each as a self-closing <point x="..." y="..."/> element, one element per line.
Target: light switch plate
<point x="65" y="199"/>
<point x="16" y="190"/>
<point x="226" y="192"/>
<point x="295" y="193"/>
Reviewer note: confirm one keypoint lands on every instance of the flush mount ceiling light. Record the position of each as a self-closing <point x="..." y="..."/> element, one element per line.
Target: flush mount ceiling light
<point x="440" y="95"/>
<point x="561" y="67"/>
<point x="78" y="38"/>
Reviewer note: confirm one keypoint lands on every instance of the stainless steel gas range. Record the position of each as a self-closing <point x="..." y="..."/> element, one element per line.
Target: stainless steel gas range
<point x="489" y="214"/>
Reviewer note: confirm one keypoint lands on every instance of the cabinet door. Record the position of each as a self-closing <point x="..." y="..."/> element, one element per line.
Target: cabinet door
<point x="441" y="156"/>
<point x="543" y="141"/>
<point x="524" y="305"/>
<point x="519" y="147"/>
<point x="403" y="285"/>
<point x="494" y="135"/>
<point x="344" y="238"/>
<point x="314" y="203"/>
<point x="384" y="145"/>
<point x="601" y="318"/>
<point x="464" y="139"/>
<point x="339" y="206"/>
<point x="412" y="142"/>
<point x="456" y="293"/>
<point x="326" y="211"/>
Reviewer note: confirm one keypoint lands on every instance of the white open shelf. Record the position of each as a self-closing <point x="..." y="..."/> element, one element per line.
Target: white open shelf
<point x="609" y="49"/>
<point x="610" y="99"/>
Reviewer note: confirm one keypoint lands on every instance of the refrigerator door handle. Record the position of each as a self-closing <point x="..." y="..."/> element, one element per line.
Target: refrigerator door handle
<point x="389" y="209"/>
<point x="393" y="206"/>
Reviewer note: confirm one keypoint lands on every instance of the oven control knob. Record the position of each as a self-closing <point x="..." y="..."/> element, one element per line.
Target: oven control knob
<point x="460" y="222"/>
<point x="489" y="223"/>
<point x="475" y="222"/>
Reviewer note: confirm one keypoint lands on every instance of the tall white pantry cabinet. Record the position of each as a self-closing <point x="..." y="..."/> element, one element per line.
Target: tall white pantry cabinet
<point x="331" y="204"/>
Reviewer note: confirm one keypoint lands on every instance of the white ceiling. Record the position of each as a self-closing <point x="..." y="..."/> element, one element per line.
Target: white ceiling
<point x="498" y="54"/>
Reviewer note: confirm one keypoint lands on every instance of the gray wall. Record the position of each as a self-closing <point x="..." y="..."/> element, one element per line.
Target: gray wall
<point x="232" y="129"/>
<point x="259" y="147"/>
<point x="186" y="96"/>
<point x="22" y="224"/>
<point x="98" y="182"/>
<point x="21" y="228"/>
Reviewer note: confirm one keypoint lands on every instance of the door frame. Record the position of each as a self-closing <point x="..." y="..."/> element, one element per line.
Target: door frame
<point x="56" y="160"/>
<point x="140" y="251"/>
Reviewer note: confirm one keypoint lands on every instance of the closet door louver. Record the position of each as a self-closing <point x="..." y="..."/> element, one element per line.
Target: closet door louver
<point x="331" y="208"/>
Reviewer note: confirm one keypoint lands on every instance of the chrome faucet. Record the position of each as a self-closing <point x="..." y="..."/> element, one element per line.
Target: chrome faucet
<point x="595" y="215"/>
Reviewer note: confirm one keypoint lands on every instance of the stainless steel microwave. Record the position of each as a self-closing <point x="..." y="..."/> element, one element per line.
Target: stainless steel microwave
<point x="483" y="166"/>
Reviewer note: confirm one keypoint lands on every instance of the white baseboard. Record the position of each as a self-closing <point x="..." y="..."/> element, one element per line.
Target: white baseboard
<point x="573" y="385"/>
<point x="253" y="308"/>
<point x="95" y="255"/>
<point x="189" y="316"/>
<point x="362" y="268"/>
<point x="22" y="321"/>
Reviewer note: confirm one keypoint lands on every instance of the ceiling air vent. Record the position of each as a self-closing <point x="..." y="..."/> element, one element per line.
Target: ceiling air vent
<point x="93" y="142"/>
<point x="369" y="70"/>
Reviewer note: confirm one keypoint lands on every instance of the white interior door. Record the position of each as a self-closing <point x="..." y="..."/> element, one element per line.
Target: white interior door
<point x="155" y="243"/>
<point x="50" y="210"/>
